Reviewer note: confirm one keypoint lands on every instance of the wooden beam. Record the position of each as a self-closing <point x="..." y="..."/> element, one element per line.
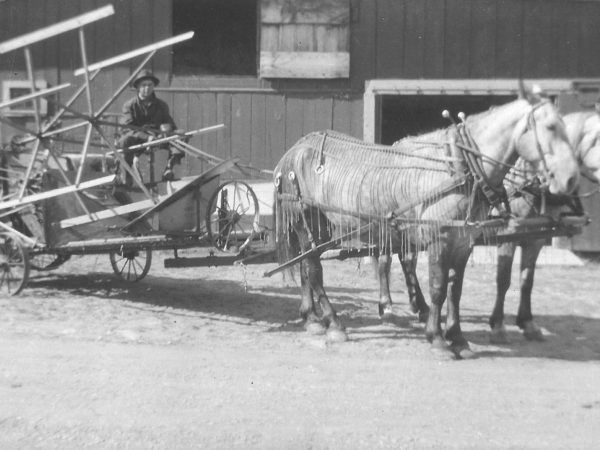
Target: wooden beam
<point x="57" y="28"/>
<point x="134" y="53"/>
<point x="106" y="214"/>
<point x="56" y="192"/>
<point x="304" y="64"/>
<point x="36" y="94"/>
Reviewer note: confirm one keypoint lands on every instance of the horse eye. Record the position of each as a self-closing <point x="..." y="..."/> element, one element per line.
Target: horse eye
<point x="551" y="126"/>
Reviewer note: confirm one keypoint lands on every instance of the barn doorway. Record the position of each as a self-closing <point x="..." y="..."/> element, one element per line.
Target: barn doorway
<point x="409" y="115"/>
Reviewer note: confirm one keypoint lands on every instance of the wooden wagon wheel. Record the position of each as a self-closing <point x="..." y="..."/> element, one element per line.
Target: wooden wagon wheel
<point x="14" y="265"/>
<point x="232" y="216"/>
<point x="131" y="265"/>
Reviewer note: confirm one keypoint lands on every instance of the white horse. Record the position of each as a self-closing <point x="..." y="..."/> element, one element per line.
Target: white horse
<point x="330" y="187"/>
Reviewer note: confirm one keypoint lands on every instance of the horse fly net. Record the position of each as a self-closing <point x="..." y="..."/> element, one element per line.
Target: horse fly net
<point x="388" y="197"/>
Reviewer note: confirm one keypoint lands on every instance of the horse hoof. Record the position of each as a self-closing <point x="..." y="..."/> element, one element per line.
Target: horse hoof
<point x="465" y="353"/>
<point x="498" y="335"/>
<point x="336" y="335"/>
<point x="441" y="350"/>
<point x="315" y="328"/>
<point x="386" y="313"/>
<point x="532" y="332"/>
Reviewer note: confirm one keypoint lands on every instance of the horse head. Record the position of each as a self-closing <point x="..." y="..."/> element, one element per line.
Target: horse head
<point x="540" y="137"/>
<point x="584" y="132"/>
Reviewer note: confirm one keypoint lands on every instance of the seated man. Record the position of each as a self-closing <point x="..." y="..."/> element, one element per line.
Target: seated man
<point x="147" y="117"/>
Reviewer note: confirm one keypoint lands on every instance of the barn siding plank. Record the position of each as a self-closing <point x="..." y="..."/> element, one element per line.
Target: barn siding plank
<point x="363" y="62"/>
<point x="162" y="29"/>
<point x="209" y="141"/>
<point x="241" y="126"/>
<point x="414" y="45"/>
<point x="224" y="117"/>
<point x="305" y="11"/>
<point x="483" y="39"/>
<point x="258" y="149"/>
<point x="537" y="34"/>
<point x="457" y="38"/>
<point x="509" y="36"/>
<point x="433" y="39"/>
<point x="275" y="143"/>
<point x="356" y="124"/>
<point x="342" y="112"/>
<point x="566" y="37"/>
<point x="589" y="66"/>
<point x="294" y="116"/>
<point x="390" y="32"/>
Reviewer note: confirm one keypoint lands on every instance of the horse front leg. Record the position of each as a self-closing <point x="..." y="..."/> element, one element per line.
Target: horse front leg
<point x="384" y="265"/>
<point x="458" y="343"/>
<point x="504" y="262"/>
<point x="308" y="314"/>
<point x="529" y="255"/>
<point x="438" y="285"/>
<point x="314" y="271"/>
<point x="415" y="295"/>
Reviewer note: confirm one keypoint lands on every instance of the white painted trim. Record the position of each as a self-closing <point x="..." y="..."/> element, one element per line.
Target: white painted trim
<point x="508" y="86"/>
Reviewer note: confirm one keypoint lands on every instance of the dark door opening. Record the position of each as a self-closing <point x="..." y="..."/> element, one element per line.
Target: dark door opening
<point x="410" y="115"/>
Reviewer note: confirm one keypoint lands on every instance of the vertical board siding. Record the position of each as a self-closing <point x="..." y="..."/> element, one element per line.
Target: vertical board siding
<point x="508" y="38"/>
<point x="483" y="39"/>
<point x="389" y="51"/>
<point x="433" y="40"/>
<point x="414" y="40"/>
<point x="258" y="145"/>
<point x="224" y="117"/>
<point x="241" y="126"/>
<point x="274" y="130"/>
<point x="537" y="33"/>
<point x="566" y="38"/>
<point x="457" y="39"/>
<point x="294" y="129"/>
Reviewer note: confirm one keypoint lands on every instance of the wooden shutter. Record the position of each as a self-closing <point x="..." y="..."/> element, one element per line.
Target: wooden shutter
<point x="305" y="39"/>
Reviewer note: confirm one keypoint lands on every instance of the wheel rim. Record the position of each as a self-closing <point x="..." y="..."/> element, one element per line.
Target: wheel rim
<point x="14" y="265"/>
<point x="232" y="216"/>
<point x="131" y="265"/>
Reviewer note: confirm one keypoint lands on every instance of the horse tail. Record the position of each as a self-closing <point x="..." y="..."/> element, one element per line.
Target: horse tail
<point x="286" y="242"/>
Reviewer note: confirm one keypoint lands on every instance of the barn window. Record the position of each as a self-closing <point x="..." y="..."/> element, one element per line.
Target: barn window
<point x="225" y="37"/>
<point x="305" y="39"/>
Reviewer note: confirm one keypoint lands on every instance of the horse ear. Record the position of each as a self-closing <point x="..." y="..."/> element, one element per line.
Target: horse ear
<point x="522" y="90"/>
<point x="533" y="96"/>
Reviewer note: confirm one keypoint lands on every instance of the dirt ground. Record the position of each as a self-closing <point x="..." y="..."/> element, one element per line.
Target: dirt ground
<point x="215" y="358"/>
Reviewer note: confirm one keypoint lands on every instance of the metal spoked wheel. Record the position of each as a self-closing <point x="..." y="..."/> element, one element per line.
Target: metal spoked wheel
<point x="232" y="216"/>
<point x="131" y="265"/>
<point x="14" y="265"/>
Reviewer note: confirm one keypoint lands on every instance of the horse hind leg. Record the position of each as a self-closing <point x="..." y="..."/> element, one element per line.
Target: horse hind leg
<point x="314" y="272"/>
<point x="416" y="298"/>
<point x="308" y="314"/>
<point x="385" y="299"/>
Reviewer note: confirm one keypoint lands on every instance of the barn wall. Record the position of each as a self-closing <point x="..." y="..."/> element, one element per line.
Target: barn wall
<point x="388" y="39"/>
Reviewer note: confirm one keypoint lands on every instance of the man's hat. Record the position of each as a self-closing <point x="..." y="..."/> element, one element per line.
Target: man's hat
<point x="144" y="75"/>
